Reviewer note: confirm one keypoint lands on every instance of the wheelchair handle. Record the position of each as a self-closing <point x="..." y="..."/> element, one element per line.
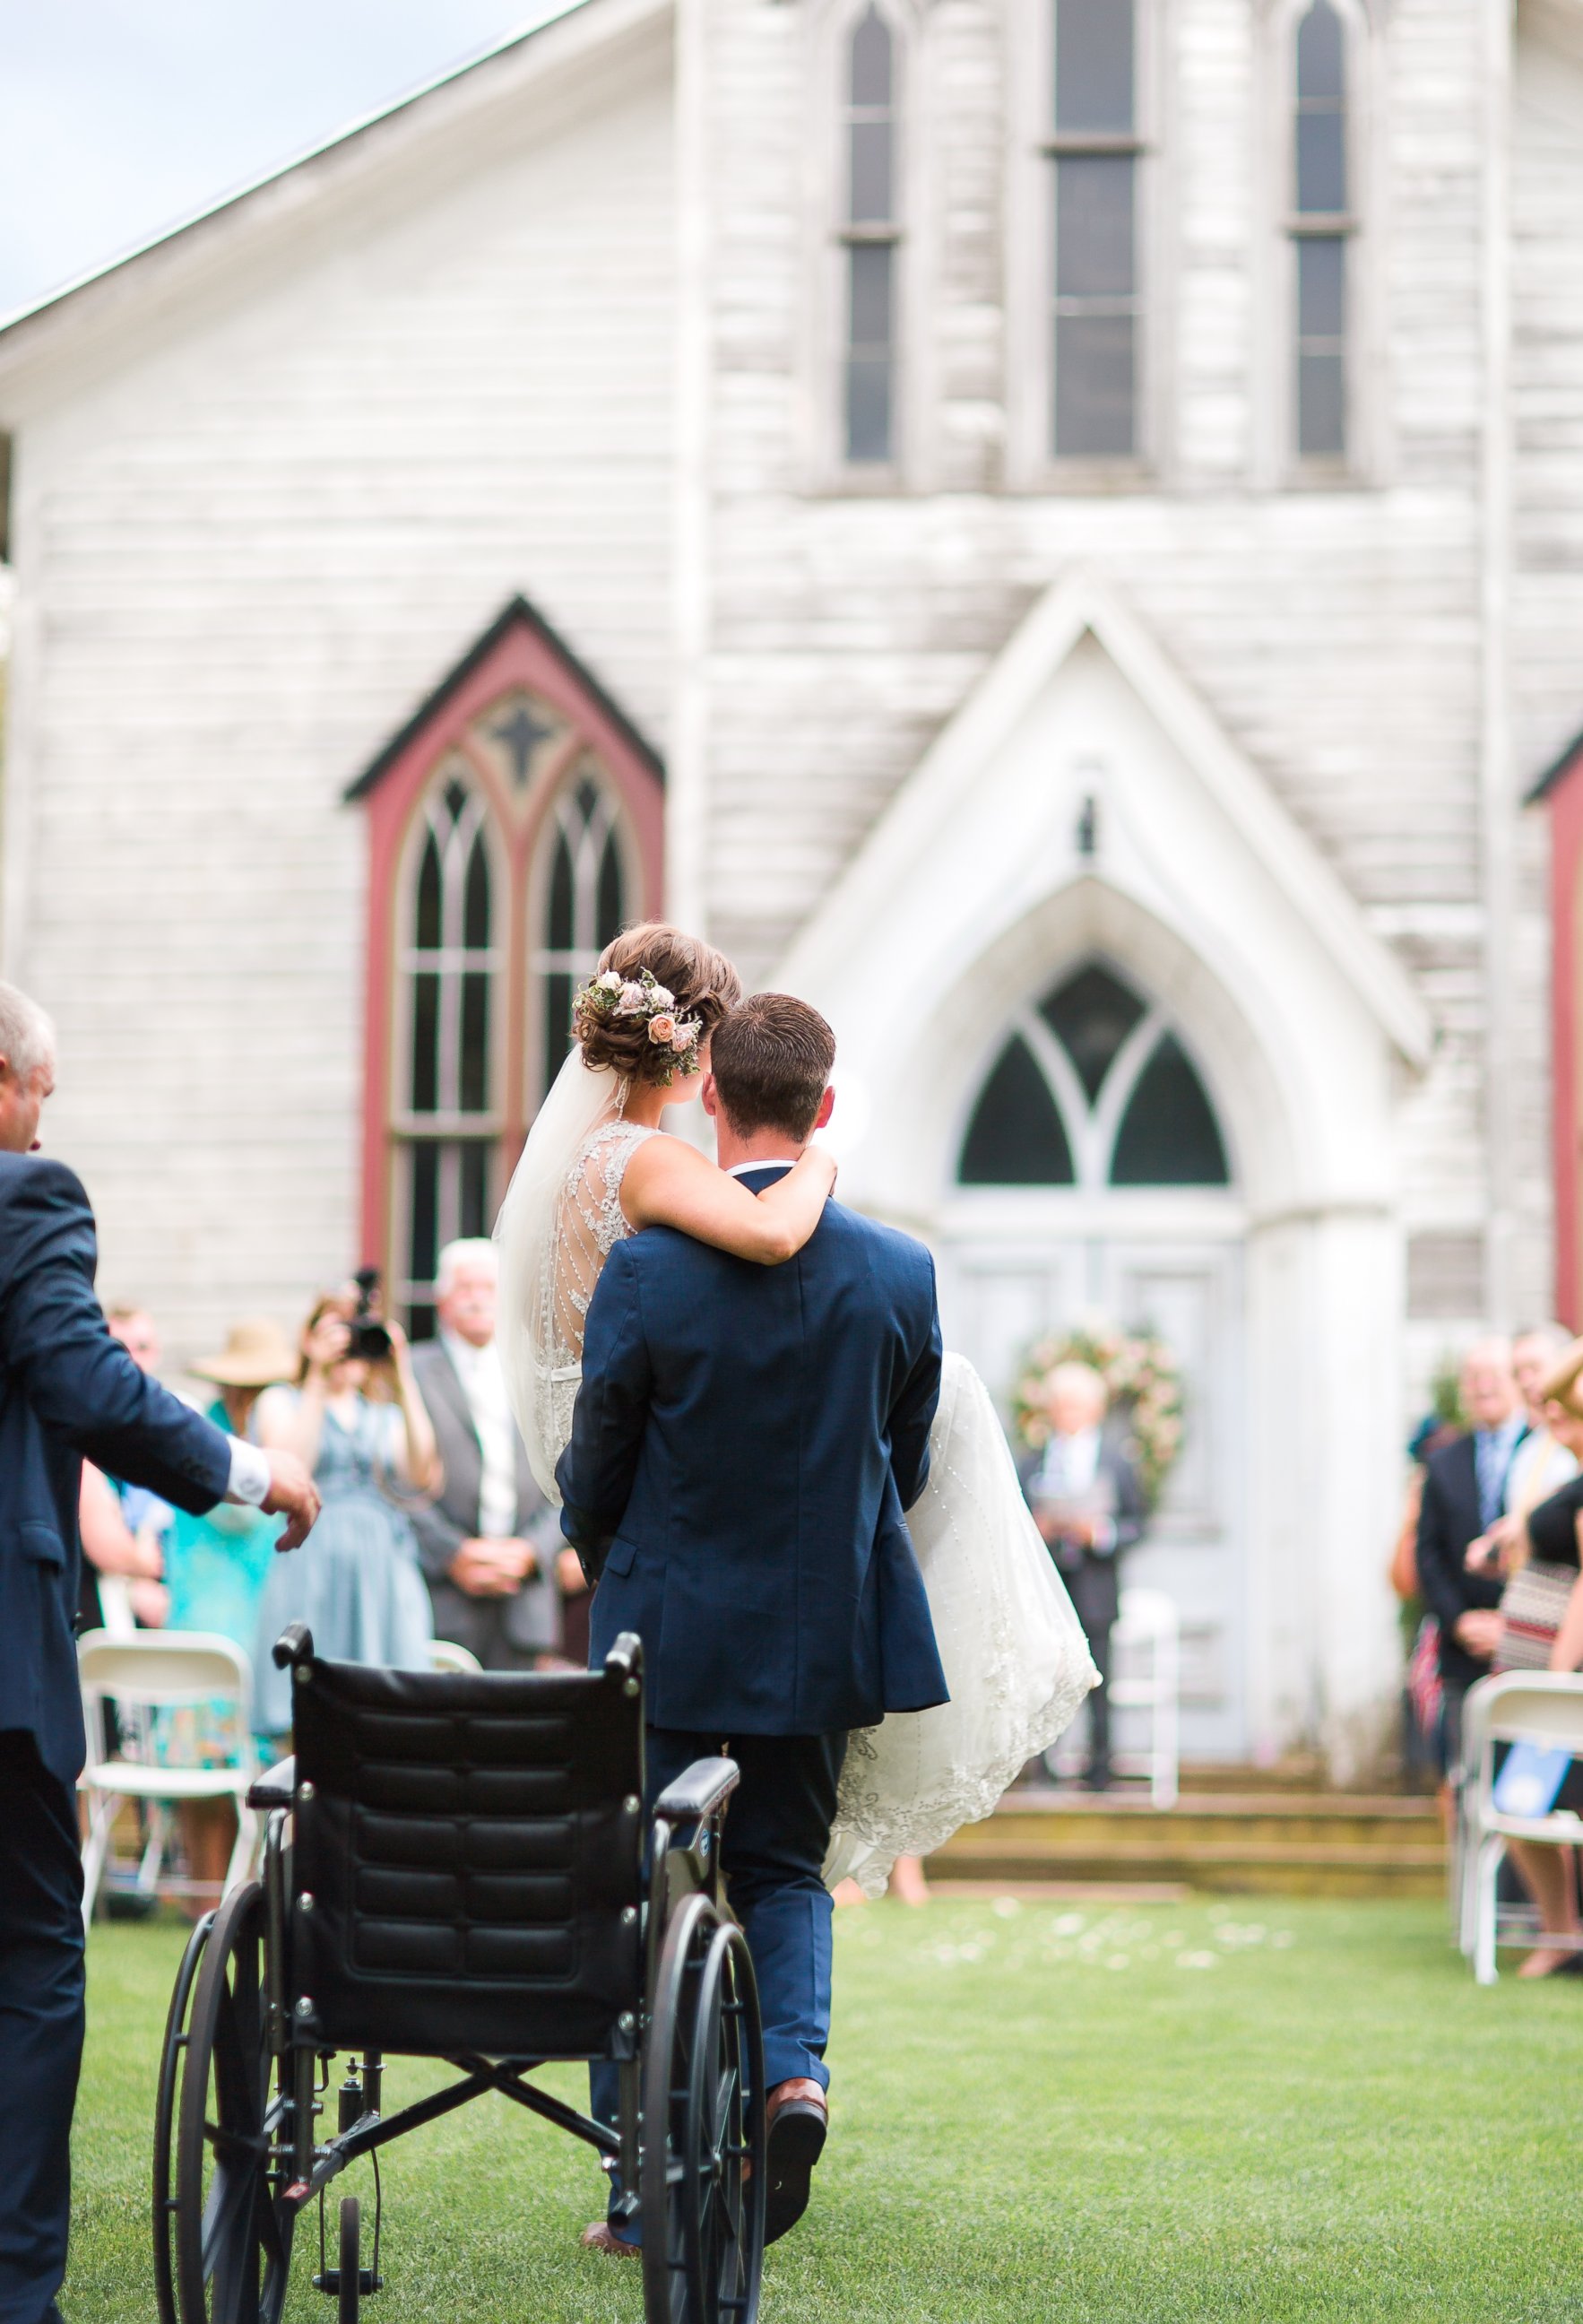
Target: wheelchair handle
<point x="294" y="1645"/>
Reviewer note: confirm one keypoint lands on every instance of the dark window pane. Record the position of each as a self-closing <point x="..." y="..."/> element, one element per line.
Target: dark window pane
<point x="423" y="1238"/>
<point x="1321" y="60"/>
<point x="1094" y="238"/>
<point x="421" y="1321"/>
<point x="1322" y="161"/>
<point x="472" y="1191"/>
<point x="428" y="930"/>
<point x="870" y="173"/>
<point x="1015" y="1138"/>
<point x="1090" y="1016"/>
<point x="1094" y="386"/>
<point x="455" y="800"/>
<point x="1322" y="284"/>
<point x="475" y="908"/>
<point x="558" y="919"/>
<point x="870" y="80"/>
<point x="1093" y="64"/>
<point x="473" y="1094"/>
<point x="587" y="799"/>
<point x="1169" y="1136"/>
<point x="869" y="301"/>
<point x="610" y="905"/>
<point x="868" y="407"/>
<point x="1321" y="406"/>
<point x="425" y="1084"/>
<point x="558" y="1024"/>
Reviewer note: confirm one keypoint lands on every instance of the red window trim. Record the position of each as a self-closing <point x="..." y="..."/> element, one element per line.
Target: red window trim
<point x="1562" y="789"/>
<point x="519" y="650"/>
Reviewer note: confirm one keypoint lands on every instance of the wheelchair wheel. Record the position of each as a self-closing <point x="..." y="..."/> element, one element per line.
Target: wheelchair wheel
<point x="230" y="2234"/>
<point x="165" y="2108"/>
<point x="723" y="2223"/>
<point x="667" y="2089"/>
<point x="348" y="2290"/>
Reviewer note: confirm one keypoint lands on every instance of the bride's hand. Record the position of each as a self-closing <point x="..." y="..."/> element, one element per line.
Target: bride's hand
<point x="823" y="1156"/>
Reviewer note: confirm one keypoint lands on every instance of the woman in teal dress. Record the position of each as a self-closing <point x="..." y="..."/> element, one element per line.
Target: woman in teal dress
<point x="356" y="1581"/>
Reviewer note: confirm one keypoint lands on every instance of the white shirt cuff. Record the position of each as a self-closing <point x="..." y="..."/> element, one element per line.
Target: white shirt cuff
<point x="250" y="1474"/>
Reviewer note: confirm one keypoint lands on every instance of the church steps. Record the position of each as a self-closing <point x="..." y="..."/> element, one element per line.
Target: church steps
<point x="1258" y="1841"/>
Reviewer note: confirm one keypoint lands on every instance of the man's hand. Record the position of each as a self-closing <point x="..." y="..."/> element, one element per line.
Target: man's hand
<point x="1478" y="1631"/>
<point x="491" y="1569"/>
<point x="569" y="1574"/>
<point x="292" y="1495"/>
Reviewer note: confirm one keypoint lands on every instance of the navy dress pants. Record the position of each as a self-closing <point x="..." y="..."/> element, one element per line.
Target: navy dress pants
<point x="776" y="1834"/>
<point x="41" y="2026"/>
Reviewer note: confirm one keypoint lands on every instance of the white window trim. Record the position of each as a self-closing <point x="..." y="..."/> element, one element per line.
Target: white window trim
<point x="830" y="25"/>
<point x="1030" y="464"/>
<point x="1278" y="464"/>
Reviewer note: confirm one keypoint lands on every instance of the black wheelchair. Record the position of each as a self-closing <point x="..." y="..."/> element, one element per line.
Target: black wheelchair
<point x="455" y="1866"/>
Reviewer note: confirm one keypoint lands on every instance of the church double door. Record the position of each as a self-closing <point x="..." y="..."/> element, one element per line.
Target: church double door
<point x="1001" y="1291"/>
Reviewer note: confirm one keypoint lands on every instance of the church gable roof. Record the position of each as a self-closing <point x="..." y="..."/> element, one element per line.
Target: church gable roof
<point x="518" y="647"/>
<point x="577" y="34"/>
<point x="1560" y="768"/>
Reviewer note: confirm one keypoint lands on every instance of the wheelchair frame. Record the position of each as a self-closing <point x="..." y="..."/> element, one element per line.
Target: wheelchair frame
<point x="238" y="2154"/>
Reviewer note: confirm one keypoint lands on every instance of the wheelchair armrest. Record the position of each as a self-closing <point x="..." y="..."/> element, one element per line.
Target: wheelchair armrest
<point x="698" y="1791"/>
<point x="275" y="1787"/>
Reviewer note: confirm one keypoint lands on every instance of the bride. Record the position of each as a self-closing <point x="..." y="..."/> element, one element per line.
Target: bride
<point x="597" y="1166"/>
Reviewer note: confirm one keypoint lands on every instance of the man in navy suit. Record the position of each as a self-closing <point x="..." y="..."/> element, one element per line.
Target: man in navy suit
<point x="745" y="1442"/>
<point x="67" y="1389"/>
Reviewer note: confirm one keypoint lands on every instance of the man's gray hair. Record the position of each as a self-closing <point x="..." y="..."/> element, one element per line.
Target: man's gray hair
<point x="27" y="1037"/>
<point x="470" y="1249"/>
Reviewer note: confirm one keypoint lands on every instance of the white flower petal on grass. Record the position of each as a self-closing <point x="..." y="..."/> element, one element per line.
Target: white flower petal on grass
<point x="1005" y="1908"/>
<point x="1067" y="1924"/>
<point x="1197" y="1961"/>
<point x="1120" y="1960"/>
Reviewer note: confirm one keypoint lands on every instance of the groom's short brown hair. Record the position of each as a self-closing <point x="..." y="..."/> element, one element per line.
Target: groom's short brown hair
<point x="771" y="1058"/>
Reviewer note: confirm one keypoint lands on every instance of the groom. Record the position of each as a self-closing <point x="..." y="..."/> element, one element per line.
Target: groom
<point x="744" y="1444"/>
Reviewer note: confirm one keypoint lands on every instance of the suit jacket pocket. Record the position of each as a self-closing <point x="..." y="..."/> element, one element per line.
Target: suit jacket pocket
<point x="42" y="1544"/>
<point x="621" y="1555"/>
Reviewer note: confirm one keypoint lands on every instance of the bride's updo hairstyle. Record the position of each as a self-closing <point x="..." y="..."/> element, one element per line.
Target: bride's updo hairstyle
<point x="703" y="987"/>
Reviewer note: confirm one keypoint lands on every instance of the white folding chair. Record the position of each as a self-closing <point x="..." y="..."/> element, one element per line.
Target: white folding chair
<point x="1541" y="1707"/>
<point x="156" y="1671"/>
<point x="445" y="1654"/>
<point x="1145" y="1675"/>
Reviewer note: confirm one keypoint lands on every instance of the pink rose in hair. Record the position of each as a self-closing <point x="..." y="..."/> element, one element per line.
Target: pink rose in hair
<point x="662" y="1031"/>
<point x="631" y="1001"/>
<point x="686" y="1033"/>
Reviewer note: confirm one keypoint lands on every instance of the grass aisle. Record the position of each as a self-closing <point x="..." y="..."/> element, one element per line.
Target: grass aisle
<point x="1273" y="2110"/>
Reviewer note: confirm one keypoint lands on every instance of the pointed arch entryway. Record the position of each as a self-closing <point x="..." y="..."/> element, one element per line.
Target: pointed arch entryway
<point x="1114" y="1034"/>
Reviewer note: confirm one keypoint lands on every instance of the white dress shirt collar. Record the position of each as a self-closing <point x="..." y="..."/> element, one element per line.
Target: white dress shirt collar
<point x="765" y="1162"/>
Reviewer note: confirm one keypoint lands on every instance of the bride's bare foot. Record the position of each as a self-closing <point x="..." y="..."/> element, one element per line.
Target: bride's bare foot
<point x="847" y="1892"/>
<point x="907" y="1882"/>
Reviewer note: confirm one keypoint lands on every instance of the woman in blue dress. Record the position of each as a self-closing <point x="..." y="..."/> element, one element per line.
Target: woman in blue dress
<point x="356" y="1581"/>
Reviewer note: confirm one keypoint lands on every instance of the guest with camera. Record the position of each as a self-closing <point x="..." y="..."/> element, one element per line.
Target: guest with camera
<point x="356" y="1418"/>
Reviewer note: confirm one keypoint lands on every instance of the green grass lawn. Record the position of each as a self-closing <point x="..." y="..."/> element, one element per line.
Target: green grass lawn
<point x="1267" y="2110"/>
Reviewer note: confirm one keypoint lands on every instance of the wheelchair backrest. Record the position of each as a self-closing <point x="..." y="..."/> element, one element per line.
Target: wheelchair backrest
<point x="466" y="1872"/>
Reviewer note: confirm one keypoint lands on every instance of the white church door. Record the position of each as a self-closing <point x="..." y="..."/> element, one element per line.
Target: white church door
<point x="1093" y="1180"/>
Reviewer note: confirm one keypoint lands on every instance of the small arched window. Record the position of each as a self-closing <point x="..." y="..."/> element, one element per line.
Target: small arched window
<point x="446" y="1129"/>
<point x="1094" y="1089"/>
<point x="1322" y="220"/>
<point x="870" y="233"/>
<point x="585" y="905"/>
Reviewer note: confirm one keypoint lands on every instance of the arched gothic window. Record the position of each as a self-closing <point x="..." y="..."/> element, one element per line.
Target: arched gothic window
<point x="515" y="825"/>
<point x="1322" y="219"/>
<point x="870" y="231"/>
<point x="1092" y="1089"/>
<point x="585" y="906"/>
<point x="449" y="1122"/>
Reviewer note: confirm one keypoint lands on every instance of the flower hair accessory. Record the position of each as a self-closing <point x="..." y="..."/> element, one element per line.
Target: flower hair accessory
<point x="645" y="1000"/>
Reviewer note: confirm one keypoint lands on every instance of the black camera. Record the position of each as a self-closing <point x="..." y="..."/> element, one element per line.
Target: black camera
<point x="368" y="1340"/>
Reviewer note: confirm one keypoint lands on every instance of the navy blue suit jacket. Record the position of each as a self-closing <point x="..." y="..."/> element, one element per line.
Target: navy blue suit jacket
<point x="745" y="1441"/>
<point x="69" y="1388"/>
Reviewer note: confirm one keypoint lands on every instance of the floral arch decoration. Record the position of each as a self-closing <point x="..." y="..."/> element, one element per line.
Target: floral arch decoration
<point x="515" y="826"/>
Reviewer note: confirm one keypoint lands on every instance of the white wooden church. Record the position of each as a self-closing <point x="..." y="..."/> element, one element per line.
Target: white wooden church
<point x="1053" y="528"/>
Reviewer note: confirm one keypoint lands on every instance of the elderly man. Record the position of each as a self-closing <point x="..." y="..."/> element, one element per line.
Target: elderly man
<point x="67" y="1389"/>
<point x="1463" y="1494"/>
<point x="1088" y="1503"/>
<point x="488" y="1545"/>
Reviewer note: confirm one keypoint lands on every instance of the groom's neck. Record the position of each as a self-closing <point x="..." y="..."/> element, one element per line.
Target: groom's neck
<point x="763" y="1145"/>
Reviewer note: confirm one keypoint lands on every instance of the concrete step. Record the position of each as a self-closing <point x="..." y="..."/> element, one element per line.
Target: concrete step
<point x="1254" y="1842"/>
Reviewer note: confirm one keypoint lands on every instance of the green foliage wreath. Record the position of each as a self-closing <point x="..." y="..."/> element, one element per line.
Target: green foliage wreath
<point x="1145" y="1386"/>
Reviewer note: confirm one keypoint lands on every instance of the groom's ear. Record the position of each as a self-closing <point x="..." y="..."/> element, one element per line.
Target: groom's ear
<point x="710" y="1097"/>
<point x="826" y="1108"/>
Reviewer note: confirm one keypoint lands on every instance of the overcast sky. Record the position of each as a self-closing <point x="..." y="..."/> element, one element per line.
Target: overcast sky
<point x="119" y="116"/>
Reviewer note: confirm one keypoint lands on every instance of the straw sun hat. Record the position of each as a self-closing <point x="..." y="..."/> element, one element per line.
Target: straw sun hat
<point x="1563" y="1385"/>
<point x="256" y="1354"/>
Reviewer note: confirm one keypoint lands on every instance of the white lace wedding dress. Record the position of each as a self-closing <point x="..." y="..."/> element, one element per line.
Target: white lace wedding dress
<point x="1015" y="1658"/>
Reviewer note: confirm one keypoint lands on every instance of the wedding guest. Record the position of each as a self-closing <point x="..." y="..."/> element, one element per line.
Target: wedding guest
<point x="67" y="1389"/>
<point x="1089" y="1505"/>
<point x="1542" y="1463"/>
<point x="1464" y="1493"/>
<point x="361" y="1425"/>
<point x="489" y="1541"/>
<point x="124" y="1528"/>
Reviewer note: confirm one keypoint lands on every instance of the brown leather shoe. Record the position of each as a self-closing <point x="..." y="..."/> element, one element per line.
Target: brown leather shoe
<point x="797" y="2115"/>
<point x="603" y="2237"/>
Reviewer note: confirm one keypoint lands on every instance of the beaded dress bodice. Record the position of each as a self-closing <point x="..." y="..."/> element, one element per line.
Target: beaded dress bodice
<point x="591" y="1223"/>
